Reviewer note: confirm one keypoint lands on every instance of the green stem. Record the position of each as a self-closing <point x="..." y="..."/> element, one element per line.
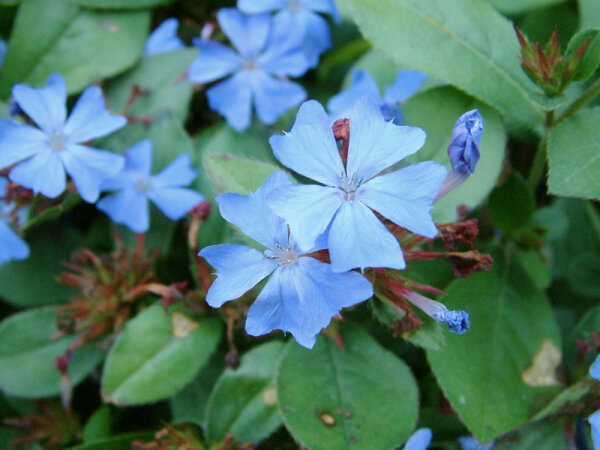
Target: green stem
<point x="536" y="172"/>
<point x="585" y="98"/>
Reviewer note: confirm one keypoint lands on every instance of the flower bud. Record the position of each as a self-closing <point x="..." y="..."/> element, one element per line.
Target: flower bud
<point x="464" y="146"/>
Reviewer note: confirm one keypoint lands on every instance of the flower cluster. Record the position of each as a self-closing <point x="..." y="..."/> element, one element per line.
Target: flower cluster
<point x="345" y="214"/>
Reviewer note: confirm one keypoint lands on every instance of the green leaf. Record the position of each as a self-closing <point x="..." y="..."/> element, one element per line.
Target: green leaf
<point x="569" y="398"/>
<point x="243" y="402"/>
<point x="424" y="110"/>
<point x="234" y="174"/>
<point x="464" y="42"/>
<point x="491" y="375"/>
<point x="574" y="156"/>
<point x="591" y="57"/>
<point x="162" y="78"/>
<point x="585" y="271"/>
<point x="118" y="442"/>
<point x="511" y="204"/>
<point x="536" y="269"/>
<point x="589" y="12"/>
<point x="156" y="355"/>
<point x="98" y="426"/>
<point x="362" y="397"/>
<point x="549" y="434"/>
<point x="57" y="36"/>
<point x="70" y="200"/>
<point x="119" y="4"/>
<point x="28" y="351"/>
<point x="522" y="6"/>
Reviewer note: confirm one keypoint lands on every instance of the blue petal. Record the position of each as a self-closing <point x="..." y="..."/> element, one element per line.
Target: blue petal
<point x="358" y="239"/>
<point x="164" y="38"/>
<point x="178" y="173"/>
<point x="324" y="6"/>
<point x="127" y="207"/>
<point x="470" y="443"/>
<point x="308" y="210"/>
<point x="406" y="196"/>
<point x="90" y="118"/>
<point x="239" y="268"/>
<point x="2" y="51"/>
<point x="464" y="145"/>
<point x="19" y="142"/>
<point x="43" y="173"/>
<point x="316" y="35"/>
<point x="376" y="144"/>
<point x="595" y="368"/>
<point x="310" y="148"/>
<point x="214" y="61"/>
<point x="420" y="440"/>
<point x="12" y="246"/>
<point x="407" y="82"/>
<point x="45" y="106"/>
<point x="248" y="33"/>
<point x="363" y="83"/>
<point x="89" y="167"/>
<point x="232" y="98"/>
<point x="272" y="96"/>
<point x="175" y="202"/>
<point x="259" y="6"/>
<point x="138" y="157"/>
<point x="252" y="215"/>
<point x="594" y="420"/>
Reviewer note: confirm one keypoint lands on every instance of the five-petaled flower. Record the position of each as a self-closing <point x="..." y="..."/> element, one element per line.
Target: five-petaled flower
<point x="301" y="294"/>
<point x="343" y="206"/>
<point x="266" y="53"/>
<point x="129" y="206"/>
<point x="44" y="154"/>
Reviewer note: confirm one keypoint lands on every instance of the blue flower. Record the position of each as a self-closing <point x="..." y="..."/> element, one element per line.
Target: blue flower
<point x="419" y="440"/>
<point x="595" y="368"/>
<point x="464" y="145"/>
<point x="2" y="51"/>
<point x="43" y="155"/>
<point x="12" y="246"/>
<point x="406" y="84"/>
<point x="299" y="16"/>
<point x="343" y="206"/>
<point x="135" y="185"/>
<point x="164" y="38"/>
<point x="266" y="53"/>
<point x="470" y="443"/>
<point x="301" y="294"/>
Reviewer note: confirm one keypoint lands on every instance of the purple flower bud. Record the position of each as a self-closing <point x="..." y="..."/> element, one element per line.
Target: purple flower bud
<point x="464" y="146"/>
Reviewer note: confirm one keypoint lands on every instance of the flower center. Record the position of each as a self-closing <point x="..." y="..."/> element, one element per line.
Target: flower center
<point x="285" y="255"/>
<point x="143" y="185"/>
<point x="250" y="65"/>
<point x="294" y="5"/>
<point x="57" y="141"/>
<point x="349" y="187"/>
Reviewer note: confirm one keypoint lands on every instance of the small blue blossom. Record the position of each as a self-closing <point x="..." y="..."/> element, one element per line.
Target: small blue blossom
<point x="266" y="54"/>
<point x="457" y="321"/>
<point x="343" y="205"/>
<point x="44" y="154"/>
<point x="464" y="145"/>
<point x="301" y="17"/>
<point x="420" y="440"/>
<point x="301" y="295"/>
<point x="12" y="246"/>
<point x="2" y="51"/>
<point x="164" y="38"/>
<point x="406" y="84"/>
<point x="135" y="185"/>
<point x="470" y="443"/>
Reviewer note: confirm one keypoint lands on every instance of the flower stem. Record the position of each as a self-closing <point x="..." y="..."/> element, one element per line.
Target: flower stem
<point x="585" y="98"/>
<point x="539" y="161"/>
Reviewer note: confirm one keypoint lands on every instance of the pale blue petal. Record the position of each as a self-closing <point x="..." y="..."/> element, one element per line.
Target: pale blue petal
<point x="178" y="173"/>
<point x="43" y="173"/>
<point x="316" y="35"/>
<point x="214" y="61"/>
<point x="138" y="157"/>
<point x="175" y="202"/>
<point x="324" y="6"/>
<point x="12" y="246"/>
<point x="127" y="207"/>
<point x="420" y="440"/>
<point x="164" y="38"/>
<point x="45" y="106"/>
<point x="406" y="196"/>
<point x="19" y="142"/>
<point x="594" y="420"/>
<point x="470" y="443"/>
<point x="123" y="180"/>
<point x="89" y="167"/>
<point x="407" y="82"/>
<point x="307" y="209"/>
<point x="252" y="215"/>
<point x="358" y="239"/>
<point x="363" y="83"/>
<point x="232" y="98"/>
<point x="273" y="97"/>
<point x="238" y="269"/>
<point x="595" y="368"/>
<point x="90" y="119"/>
<point x="259" y="6"/>
<point x="310" y="148"/>
<point x="377" y="144"/>
<point x="248" y="33"/>
<point x="2" y="51"/>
